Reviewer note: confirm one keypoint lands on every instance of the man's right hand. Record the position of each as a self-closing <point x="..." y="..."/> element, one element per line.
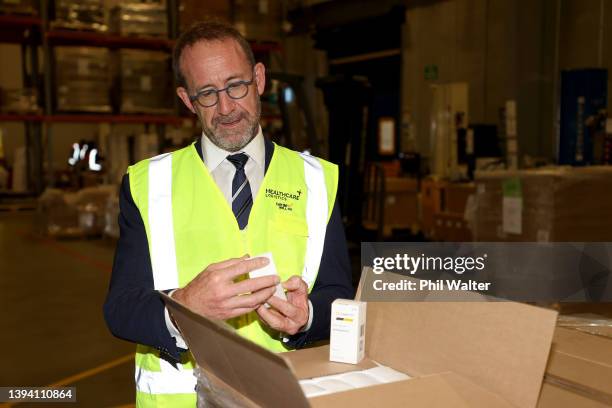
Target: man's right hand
<point x="214" y="294"/>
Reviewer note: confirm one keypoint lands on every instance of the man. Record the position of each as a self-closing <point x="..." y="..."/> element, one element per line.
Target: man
<point x="189" y="218"/>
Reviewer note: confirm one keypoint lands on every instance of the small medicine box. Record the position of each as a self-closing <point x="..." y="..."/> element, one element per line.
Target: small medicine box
<point x="347" y="332"/>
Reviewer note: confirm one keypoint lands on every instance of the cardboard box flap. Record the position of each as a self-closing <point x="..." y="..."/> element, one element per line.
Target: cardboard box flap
<point x="237" y="361"/>
<point x="440" y="390"/>
<point x="502" y="346"/>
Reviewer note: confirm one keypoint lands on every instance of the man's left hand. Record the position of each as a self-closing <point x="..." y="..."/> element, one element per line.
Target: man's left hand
<point x="291" y="315"/>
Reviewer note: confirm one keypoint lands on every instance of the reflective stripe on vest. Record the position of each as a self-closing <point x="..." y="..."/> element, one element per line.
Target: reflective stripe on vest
<point x="163" y="253"/>
<point x="167" y="381"/>
<point x="316" y="217"/>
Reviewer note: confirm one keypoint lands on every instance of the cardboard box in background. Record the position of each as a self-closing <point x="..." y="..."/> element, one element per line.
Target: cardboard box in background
<point x="401" y="203"/>
<point x="443" y="206"/>
<point x="83" y="79"/>
<point x="259" y="20"/>
<point x="140" y="19"/>
<point x="191" y="11"/>
<point x="451" y="228"/>
<point x="470" y="354"/>
<point x="18" y="6"/>
<point x="557" y="204"/>
<point x="456" y="196"/>
<point x="431" y="199"/>
<point x="81" y="15"/>
<point x="145" y="82"/>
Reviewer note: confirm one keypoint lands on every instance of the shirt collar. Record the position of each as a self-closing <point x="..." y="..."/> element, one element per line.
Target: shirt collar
<point x="213" y="155"/>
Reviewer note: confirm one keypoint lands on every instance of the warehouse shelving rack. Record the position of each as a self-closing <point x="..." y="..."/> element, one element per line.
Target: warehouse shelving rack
<point x="26" y="31"/>
<point x="35" y="31"/>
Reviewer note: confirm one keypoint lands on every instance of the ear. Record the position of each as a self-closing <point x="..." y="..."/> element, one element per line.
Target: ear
<point x="260" y="77"/>
<point x="184" y="95"/>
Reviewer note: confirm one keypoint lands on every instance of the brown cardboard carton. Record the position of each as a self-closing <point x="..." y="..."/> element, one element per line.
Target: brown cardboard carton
<point x="192" y="11"/>
<point x="579" y="367"/>
<point x="456" y="196"/>
<point x="559" y="204"/>
<point x="451" y="228"/>
<point x="401" y="203"/>
<point x="431" y="203"/>
<point x="458" y="354"/>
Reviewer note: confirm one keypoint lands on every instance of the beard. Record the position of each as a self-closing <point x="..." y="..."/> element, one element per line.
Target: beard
<point x="238" y="136"/>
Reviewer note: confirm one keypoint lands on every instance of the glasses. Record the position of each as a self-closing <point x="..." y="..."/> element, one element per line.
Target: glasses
<point x="210" y="97"/>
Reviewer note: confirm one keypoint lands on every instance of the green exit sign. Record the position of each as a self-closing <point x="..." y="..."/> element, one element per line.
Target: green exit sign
<point x="431" y="72"/>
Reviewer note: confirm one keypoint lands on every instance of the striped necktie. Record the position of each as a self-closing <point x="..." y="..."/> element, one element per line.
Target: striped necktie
<point x="242" y="199"/>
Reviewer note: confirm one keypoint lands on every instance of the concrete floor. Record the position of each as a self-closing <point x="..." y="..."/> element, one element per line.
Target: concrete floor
<point x="53" y="330"/>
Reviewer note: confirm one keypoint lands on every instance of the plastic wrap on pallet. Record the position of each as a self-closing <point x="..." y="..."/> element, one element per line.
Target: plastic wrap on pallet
<point x="593" y="324"/>
<point x="81" y="15"/>
<point x="111" y="215"/>
<point x="191" y="11"/>
<point x="74" y="214"/>
<point x="18" y="6"/>
<point x="83" y="79"/>
<point x="140" y="19"/>
<point x="561" y="204"/>
<point x="18" y="100"/>
<point x="210" y="394"/>
<point x="258" y="20"/>
<point x="146" y="82"/>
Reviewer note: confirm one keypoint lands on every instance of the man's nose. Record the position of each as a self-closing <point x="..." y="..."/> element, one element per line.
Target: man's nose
<point x="226" y="104"/>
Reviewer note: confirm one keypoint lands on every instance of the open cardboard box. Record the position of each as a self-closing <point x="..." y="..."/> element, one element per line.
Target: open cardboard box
<point x="459" y="354"/>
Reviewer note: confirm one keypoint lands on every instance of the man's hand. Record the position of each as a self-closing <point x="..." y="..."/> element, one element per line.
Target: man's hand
<point x="214" y="294"/>
<point x="291" y="315"/>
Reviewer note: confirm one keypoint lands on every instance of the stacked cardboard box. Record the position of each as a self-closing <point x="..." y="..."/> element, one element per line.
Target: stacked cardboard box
<point x="140" y="19"/>
<point x="399" y="204"/>
<point x="192" y="11"/>
<point x="549" y="204"/>
<point x="83" y="78"/>
<point x="450" y="227"/>
<point x="443" y="209"/>
<point x="18" y="6"/>
<point x="431" y="200"/>
<point x="20" y="100"/>
<point x="81" y="15"/>
<point x="146" y="82"/>
<point x="259" y="20"/>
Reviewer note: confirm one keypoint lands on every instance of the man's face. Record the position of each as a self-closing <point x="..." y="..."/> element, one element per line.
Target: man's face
<point x="231" y="123"/>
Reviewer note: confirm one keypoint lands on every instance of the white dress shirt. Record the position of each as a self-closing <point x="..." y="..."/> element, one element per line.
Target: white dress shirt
<point x="222" y="171"/>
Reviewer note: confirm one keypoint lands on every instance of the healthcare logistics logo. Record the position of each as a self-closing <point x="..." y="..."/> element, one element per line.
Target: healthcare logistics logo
<point x="284" y="200"/>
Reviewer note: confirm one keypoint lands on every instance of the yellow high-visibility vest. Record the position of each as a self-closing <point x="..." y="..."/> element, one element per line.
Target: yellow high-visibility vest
<point x="190" y="225"/>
